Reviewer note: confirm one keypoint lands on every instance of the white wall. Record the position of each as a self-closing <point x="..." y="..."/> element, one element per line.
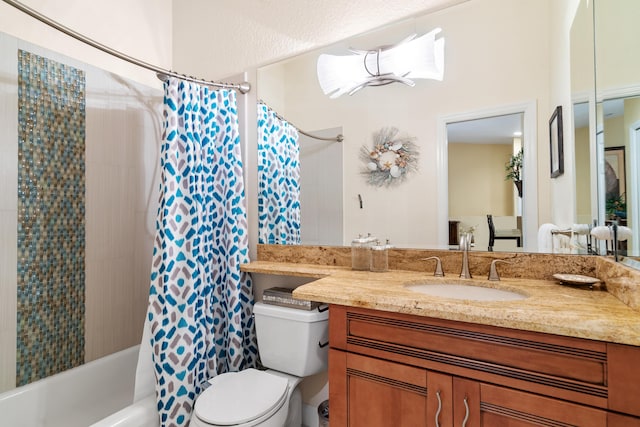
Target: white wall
<point x="141" y="29"/>
<point x="562" y="188"/>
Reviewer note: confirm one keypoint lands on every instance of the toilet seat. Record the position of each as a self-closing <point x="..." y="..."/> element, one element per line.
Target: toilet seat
<point x="241" y="398"/>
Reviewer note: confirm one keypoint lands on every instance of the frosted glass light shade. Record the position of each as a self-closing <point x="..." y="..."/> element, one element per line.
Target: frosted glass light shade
<point x="416" y="58"/>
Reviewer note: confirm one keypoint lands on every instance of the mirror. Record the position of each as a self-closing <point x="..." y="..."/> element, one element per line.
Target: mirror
<point x="618" y="117"/>
<point x="515" y="66"/>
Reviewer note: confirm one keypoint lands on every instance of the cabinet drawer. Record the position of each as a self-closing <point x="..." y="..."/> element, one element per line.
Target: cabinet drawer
<point x="569" y="368"/>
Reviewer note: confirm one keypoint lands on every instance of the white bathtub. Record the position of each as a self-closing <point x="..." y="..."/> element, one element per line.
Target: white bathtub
<point x="98" y="393"/>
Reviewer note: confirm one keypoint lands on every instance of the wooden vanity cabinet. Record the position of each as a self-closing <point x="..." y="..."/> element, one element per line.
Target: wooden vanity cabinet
<point x="388" y="369"/>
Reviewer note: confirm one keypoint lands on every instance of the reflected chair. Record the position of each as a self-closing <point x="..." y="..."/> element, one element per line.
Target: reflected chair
<point x="508" y="234"/>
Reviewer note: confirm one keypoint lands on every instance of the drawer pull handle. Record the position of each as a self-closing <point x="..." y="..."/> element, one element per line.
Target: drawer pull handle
<point x="439" y="408"/>
<point x="466" y="415"/>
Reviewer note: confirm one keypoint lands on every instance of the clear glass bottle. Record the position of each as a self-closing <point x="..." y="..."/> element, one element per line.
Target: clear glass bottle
<point x="361" y="253"/>
<point x="380" y="257"/>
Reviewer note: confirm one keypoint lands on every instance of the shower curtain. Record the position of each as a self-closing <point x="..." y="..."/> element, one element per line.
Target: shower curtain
<point x="200" y="303"/>
<point x="278" y="179"/>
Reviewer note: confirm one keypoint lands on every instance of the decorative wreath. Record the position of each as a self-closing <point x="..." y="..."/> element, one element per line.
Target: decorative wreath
<point x="391" y="159"/>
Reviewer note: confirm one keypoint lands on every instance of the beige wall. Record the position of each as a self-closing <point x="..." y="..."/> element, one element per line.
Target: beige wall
<point x="583" y="177"/>
<point x="476" y="180"/>
<point x="617" y="37"/>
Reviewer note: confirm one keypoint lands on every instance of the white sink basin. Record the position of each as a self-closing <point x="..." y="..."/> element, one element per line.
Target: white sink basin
<point x="465" y="292"/>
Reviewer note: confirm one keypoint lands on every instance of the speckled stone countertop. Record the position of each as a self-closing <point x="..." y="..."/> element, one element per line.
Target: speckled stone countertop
<point x="549" y="307"/>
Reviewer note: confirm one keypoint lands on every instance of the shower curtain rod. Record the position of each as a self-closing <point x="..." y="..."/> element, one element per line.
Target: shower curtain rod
<point x="162" y="74"/>
<point x="337" y="138"/>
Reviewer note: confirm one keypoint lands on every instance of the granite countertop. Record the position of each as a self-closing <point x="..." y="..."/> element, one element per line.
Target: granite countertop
<point x="549" y="307"/>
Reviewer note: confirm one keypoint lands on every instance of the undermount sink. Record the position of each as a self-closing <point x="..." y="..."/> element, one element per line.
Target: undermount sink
<point x="465" y="292"/>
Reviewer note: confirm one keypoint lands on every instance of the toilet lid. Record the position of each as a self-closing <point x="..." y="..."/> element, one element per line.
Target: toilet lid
<point x="240" y="397"/>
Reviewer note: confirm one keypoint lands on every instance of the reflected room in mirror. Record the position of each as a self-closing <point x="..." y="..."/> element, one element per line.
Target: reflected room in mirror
<point x="478" y="82"/>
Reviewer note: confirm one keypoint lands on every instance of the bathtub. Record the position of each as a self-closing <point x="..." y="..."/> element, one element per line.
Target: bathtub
<point x="99" y="393"/>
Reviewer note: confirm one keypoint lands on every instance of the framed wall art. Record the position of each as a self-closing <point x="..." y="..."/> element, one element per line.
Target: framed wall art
<point x="556" y="151"/>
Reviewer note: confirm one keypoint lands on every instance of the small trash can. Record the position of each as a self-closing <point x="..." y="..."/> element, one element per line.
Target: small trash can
<point x="323" y="414"/>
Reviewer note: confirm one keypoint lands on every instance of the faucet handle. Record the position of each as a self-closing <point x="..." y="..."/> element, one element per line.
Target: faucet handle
<point x="493" y="271"/>
<point x="438" y="272"/>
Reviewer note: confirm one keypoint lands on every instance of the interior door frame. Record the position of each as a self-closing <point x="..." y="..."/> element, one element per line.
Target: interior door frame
<point x="529" y="173"/>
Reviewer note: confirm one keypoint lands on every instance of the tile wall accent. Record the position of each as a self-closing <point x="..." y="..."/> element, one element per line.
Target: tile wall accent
<point x="51" y="217"/>
<point x="122" y="140"/>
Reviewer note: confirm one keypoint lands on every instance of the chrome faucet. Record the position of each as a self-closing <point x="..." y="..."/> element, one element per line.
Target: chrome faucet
<point x="493" y="271"/>
<point x="465" y="244"/>
<point x="438" y="271"/>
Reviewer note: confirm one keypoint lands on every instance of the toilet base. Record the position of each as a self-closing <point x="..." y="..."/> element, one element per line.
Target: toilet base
<point x="289" y="415"/>
<point x="294" y="400"/>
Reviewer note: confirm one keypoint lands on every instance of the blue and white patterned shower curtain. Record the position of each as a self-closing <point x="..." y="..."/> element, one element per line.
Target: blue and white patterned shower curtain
<point x="278" y="179"/>
<point x="200" y="303"/>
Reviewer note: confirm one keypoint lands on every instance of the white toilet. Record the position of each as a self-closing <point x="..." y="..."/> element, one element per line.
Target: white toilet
<point x="292" y="345"/>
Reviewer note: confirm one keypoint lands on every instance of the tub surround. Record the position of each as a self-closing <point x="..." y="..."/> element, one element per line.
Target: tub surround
<point x="550" y="308"/>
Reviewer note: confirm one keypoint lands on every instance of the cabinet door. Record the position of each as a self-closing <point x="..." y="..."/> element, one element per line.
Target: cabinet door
<point x="502" y="407"/>
<point x="466" y="403"/>
<point x="381" y="393"/>
<point x="439" y="400"/>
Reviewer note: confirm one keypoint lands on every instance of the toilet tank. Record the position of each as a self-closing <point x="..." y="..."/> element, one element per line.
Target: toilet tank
<point x="289" y="339"/>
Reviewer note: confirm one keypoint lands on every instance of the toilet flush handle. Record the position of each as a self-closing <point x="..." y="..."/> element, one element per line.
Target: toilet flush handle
<point x="321" y="345"/>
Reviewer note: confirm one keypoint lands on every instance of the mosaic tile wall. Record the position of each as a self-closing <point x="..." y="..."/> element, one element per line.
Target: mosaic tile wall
<point x="51" y="217"/>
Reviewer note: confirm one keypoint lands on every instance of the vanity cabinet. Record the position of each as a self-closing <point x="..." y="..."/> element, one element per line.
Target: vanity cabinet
<point x="388" y="369"/>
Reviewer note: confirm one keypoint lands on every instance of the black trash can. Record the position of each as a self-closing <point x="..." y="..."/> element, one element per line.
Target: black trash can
<point x="323" y="414"/>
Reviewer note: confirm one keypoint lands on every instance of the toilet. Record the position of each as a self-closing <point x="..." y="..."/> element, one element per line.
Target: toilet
<point x="292" y="345"/>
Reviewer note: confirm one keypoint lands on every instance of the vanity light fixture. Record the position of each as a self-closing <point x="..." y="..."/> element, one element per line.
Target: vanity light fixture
<point x="413" y="58"/>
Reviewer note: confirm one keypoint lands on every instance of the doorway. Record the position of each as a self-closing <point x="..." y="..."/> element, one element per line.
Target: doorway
<point x="485" y="168"/>
<point x="529" y="202"/>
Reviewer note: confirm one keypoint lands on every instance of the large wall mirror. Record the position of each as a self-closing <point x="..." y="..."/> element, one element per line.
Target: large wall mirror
<point x="618" y="117"/>
<point x="497" y="65"/>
